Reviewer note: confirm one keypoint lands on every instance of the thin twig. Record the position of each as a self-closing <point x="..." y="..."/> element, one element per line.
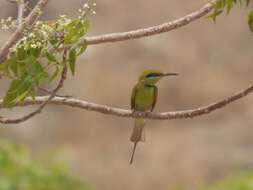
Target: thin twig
<point x="56" y="95"/>
<point x="129" y="113"/>
<point x="17" y="35"/>
<point x="21" y="11"/>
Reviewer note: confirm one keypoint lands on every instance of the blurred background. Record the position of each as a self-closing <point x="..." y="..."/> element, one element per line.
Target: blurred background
<point x="214" y="61"/>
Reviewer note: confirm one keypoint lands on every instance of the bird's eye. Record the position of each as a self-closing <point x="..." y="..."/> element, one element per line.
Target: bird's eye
<point x="152" y="75"/>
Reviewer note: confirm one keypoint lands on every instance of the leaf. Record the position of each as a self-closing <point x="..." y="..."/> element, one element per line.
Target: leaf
<point x="34" y="51"/>
<point x="250" y="21"/>
<point x="4" y="68"/>
<point x="21" y="53"/>
<point x="75" y="30"/>
<point x="81" y="49"/>
<point x="51" y="57"/>
<point x="72" y="60"/>
<point x="55" y="74"/>
<point x="214" y="15"/>
<point x="35" y="70"/>
<point x="230" y="4"/>
<point x="18" y="91"/>
<point x="13" y="64"/>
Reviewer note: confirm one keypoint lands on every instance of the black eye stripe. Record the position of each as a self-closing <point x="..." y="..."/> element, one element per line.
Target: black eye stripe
<point x="153" y="75"/>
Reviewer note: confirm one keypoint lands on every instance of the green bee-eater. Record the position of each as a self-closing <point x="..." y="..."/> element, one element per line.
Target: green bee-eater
<point x="144" y="96"/>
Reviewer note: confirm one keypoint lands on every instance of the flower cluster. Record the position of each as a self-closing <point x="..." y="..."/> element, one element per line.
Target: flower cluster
<point x="37" y="39"/>
<point x="7" y="24"/>
<point x="86" y="9"/>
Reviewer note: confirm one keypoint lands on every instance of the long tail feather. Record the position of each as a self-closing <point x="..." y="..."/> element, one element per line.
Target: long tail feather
<point x="132" y="156"/>
<point x="137" y="135"/>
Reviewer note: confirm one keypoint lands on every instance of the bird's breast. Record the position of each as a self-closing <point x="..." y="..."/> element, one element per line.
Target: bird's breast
<point x="145" y="97"/>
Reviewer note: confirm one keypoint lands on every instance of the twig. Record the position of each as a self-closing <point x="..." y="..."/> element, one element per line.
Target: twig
<point x="145" y="32"/>
<point x="21" y="11"/>
<point x="129" y="113"/>
<point x="17" y="35"/>
<point x="50" y="92"/>
<point x="40" y="108"/>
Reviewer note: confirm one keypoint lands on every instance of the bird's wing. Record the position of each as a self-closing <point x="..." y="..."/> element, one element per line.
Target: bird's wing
<point x="155" y="97"/>
<point x="133" y="97"/>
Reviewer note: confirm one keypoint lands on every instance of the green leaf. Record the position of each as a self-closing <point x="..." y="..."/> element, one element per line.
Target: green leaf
<point x="35" y="70"/>
<point x="34" y="52"/>
<point x="81" y="49"/>
<point x="55" y="74"/>
<point x="72" y="60"/>
<point x="51" y="57"/>
<point x="4" y="68"/>
<point x="21" y="53"/>
<point x="214" y="15"/>
<point x="13" y="64"/>
<point x="230" y="4"/>
<point x="250" y="21"/>
<point x="18" y="91"/>
<point x="75" y="30"/>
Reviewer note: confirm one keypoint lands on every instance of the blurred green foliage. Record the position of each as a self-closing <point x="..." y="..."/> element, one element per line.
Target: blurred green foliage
<point x="250" y="20"/>
<point x="18" y="171"/>
<point x="241" y="182"/>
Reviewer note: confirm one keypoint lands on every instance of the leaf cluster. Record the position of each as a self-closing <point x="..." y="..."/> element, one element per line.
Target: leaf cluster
<point x="226" y="5"/>
<point x="36" y="59"/>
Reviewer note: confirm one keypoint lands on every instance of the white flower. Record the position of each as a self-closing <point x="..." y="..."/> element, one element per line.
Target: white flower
<point x="5" y="27"/>
<point x="86" y="5"/>
<point x="9" y="19"/>
<point x="13" y="24"/>
<point x="63" y="16"/>
<point x="93" y="12"/>
<point x="39" y="44"/>
<point x="33" y="45"/>
<point x="31" y="35"/>
<point x="24" y="38"/>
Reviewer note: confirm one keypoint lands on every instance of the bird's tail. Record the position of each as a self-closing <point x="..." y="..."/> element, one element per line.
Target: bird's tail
<point x="137" y="135"/>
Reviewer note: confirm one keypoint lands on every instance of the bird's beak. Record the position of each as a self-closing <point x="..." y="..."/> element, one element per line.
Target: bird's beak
<point x="170" y="74"/>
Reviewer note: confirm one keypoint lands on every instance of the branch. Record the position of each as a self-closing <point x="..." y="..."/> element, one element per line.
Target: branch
<point x="17" y="35"/>
<point x="43" y="104"/>
<point x="21" y="11"/>
<point x="113" y="37"/>
<point x="145" y="32"/>
<point x="129" y="113"/>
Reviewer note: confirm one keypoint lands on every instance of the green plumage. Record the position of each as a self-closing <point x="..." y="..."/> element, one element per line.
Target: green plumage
<point x="144" y="96"/>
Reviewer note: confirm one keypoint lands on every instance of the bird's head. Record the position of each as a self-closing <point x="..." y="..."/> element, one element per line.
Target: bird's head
<point x="151" y="76"/>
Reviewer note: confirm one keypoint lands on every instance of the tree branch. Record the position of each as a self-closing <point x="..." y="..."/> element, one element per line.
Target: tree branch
<point x="17" y="35"/>
<point x="145" y="32"/>
<point x="21" y="11"/>
<point x="129" y="113"/>
<point x="113" y="37"/>
<point x="40" y="108"/>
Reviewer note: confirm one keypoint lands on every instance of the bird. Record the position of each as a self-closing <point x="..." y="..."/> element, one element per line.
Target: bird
<point x="144" y="97"/>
